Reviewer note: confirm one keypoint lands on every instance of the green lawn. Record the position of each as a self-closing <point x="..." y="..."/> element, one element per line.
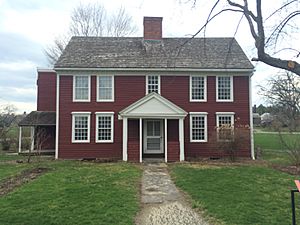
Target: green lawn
<point x="5" y="157"/>
<point x="238" y="195"/>
<point x="272" y="149"/>
<point x="75" y="193"/>
<point x="8" y="170"/>
<point x="267" y="141"/>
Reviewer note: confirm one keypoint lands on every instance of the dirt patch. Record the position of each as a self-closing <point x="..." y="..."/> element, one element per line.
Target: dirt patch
<point x="293" y="170"/>
<point x="26" y="176"/>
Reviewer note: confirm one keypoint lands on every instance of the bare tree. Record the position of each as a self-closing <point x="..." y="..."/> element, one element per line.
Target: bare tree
<point x="54" y="51"/>
<point x="88" y="20"/>
<point x="283" y="93"/>
<point x="92" y="20"/>
<point x="120" y="24"/>
<point x="286" y="16"/>
<point x="7" y="119"/>
<point x="231" y="140"/>
<point x="40" y="140"/>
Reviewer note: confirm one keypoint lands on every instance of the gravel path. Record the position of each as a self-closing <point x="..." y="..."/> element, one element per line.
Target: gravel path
<point x="162" y="203"/>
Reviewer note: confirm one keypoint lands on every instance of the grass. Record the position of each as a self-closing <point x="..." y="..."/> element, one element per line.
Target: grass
<point x="239" y="195"/>
<point x="267" y="141"/>
<point x="75" y="193"/>
<point x="272" y="149"/>
<point x="7" y="171"/>
<point x="7" y="157"/>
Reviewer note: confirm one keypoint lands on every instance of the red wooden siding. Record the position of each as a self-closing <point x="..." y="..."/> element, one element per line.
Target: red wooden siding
<point x="133" y="145"/>
<point x="173" y="140"/>
<point x="129" y="89"/>
<point x="46" y="88"/>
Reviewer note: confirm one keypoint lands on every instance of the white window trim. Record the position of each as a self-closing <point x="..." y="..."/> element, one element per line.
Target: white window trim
<point x="113" y="89"/>
<point x="204" y="114"/>
<point x="88" y="114"/>
<point x="231" y="90"/>
<point x="218" y="114"/>
<point x="111" y="114"/>
<point x="205" y="89"/>
<point x="147" y="83"/>
<point x="89" y="91"/>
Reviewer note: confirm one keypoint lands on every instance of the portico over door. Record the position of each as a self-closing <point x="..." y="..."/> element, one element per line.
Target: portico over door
<point x="153" y="136"/>
<point x="153" y="107"/>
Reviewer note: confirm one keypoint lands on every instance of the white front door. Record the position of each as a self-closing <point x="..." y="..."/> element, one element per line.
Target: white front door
<point x="153" y="137"/>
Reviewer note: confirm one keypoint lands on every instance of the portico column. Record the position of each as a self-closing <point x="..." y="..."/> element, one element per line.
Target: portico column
<point x="125" y="139"/>
<point x="166" y="140"/>
<point x="20" y="139"/>
<point x="181" y="139"/>
<point x="141" y="140"/>
<point x="32" y="131"/>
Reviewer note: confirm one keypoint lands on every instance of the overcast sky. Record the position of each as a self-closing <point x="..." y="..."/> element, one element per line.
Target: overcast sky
<point x="27" y="27"/>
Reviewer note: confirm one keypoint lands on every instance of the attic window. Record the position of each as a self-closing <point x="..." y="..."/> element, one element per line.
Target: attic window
<point x="153" y="84"/>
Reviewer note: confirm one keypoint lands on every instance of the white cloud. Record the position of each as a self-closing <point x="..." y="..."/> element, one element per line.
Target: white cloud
<point x="40" y="25"/>
<point x="21" y="106"/>
<point x="17" y="66"/>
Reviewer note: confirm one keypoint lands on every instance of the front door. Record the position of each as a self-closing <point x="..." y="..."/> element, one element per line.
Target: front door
<point x="153" y="137"/>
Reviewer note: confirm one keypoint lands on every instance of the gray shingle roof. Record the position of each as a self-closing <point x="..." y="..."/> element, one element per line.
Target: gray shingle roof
<point x="39" y="118"/>
<point x="128" y="52"/>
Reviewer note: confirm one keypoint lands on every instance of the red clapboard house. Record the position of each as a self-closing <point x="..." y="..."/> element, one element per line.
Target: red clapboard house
<point x="130" y="98"/>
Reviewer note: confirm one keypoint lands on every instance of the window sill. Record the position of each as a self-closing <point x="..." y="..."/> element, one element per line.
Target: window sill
<point x="103" y="142"/>
<point x="80" y="142"/>
<point x="198" y="141"/>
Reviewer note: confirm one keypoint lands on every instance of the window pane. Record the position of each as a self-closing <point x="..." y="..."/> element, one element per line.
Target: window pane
<point x="198" y="88"/>
<point x="225" y="127"/>
<point x="153" y="143"/>
<point x="81" y="87"/>
<point x="198" y="128"/>
<point x="105" y="87"/>
<point x="81" y="127"/>
<point x="224" y="88"/>
<point x="153" y="84"/>
<point x="104" y="128"/>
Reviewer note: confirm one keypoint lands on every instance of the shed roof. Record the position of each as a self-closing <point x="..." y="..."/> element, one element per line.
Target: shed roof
<point x="39" y="118"/>
<point x="135" y="52"/>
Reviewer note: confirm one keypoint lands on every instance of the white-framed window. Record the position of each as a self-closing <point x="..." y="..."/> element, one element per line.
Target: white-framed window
<point x="198" y="126"/>
<point x="224" y="88"/>
<point x="152" y="84"/>
<point x="81" y="88"/>
<point x="225" y="125"/>
<point x="198" y="88"/>
<point x="105" y="88"/>
<point x="104" y="127"/>
<point x="81" y="127"/>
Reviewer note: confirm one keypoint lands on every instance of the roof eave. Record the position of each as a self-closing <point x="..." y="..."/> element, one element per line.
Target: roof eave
<point x="247" y="70"/>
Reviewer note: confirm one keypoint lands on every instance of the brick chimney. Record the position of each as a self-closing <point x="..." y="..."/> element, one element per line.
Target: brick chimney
<point x="152" y="28"/>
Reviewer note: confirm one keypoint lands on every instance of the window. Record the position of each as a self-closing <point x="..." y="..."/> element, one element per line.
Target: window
<point x="224" y="88"/>
<point x="105" y="88"/>
<point x="80" y="127"/>
<point x="153" y="84"/>
<point x="104" y="126"/>
<point x="197" y="88"/>
<point x="81" y="88"/>
<point x="198" y="127"/>
<point x="225" y="123"/>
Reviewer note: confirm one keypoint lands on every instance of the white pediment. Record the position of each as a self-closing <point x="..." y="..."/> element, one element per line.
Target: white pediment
<point x="153" y="105"/>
